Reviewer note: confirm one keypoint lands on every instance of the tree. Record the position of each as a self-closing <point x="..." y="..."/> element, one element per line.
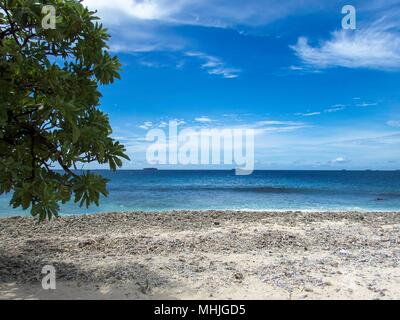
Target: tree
<point x="49" y="98"/>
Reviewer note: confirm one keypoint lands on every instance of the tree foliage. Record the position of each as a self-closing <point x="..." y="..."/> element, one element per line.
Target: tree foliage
<point x="49" y="98"/>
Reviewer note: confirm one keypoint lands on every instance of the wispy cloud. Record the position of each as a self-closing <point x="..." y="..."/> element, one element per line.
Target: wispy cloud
<point x="335" y="108"/>
<point x="179" y="122"/>
<point x="163" y="124"/>
<point x="277" y="123"/>
<point x="148" y="25"/>
<point x="370" y="140"/>
<point x="214" y="65"/>
<point x="374" y="47"/>
<point x="150" y="64"/>
<point x="269" y="126"/>
<point x="309" y="114"/>
<point x="146" y="125"/>
<point x="203" y="119"/>
<point x="339" y="160"/>
<point x="297" y="68"/>
<point x="160" y="124"/>
<point x="366" y="104"/>
<point x="221" y="13"/>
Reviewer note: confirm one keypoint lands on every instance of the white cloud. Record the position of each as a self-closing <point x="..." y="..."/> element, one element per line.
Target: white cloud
<point x="340" y="160"/>
<point x="269" y="126"/>
<point x="260" y="127"/>
<point x="203" y="119"/>
<point x="365" y="104"/>
<point x="296" y="68"/>
<point x="335" y="108"/>
<point x="148" y="25"/>
<point x="150" y="64"/>
<point x="367" y="139"/>
<point x="230" y="115"/>
<point x="277" y="123"/>
<point x="214" y="65"/>
<point x="163" y="124"/>
<point x="116" y="10"/>
<point x="138" y="26"/>
<point x="179" y="121"/>
<point x="220" y="13"/>
<point x="373" y="47"/>
<point x="309" y="114"/>
<point x="146" y="125"/>
<point x="141" y="37"/>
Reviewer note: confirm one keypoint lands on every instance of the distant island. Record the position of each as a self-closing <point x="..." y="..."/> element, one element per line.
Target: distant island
<point x="150" y="169"/>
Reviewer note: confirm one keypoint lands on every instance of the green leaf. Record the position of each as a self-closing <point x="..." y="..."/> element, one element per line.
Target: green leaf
<point x="49" y="101"/>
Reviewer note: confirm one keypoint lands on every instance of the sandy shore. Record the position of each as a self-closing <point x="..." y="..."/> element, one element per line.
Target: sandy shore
<point x="204" y="255"/>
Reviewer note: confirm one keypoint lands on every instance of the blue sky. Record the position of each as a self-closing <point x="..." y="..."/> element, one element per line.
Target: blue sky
<point x="320" y="97"/>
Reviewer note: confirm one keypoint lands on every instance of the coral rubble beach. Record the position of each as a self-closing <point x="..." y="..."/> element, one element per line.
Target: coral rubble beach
<point x="204" y="255"/>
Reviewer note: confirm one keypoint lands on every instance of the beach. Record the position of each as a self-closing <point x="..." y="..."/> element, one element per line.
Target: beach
<point x="204" y="255"/>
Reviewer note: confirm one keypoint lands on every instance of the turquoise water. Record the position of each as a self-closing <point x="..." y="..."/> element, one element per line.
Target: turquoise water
<point x="263" y="190"/>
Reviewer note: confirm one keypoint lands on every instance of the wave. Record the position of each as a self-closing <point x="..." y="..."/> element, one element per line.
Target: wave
<point x="259" y="189"/>
<point x="249" y="189"/>
<point x="276" y="190"/>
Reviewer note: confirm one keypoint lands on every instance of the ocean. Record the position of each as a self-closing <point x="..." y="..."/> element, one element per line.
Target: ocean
<point x="263" y="190"/>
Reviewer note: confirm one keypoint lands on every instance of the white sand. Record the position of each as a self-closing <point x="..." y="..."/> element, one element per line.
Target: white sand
<point x="204" y="255"/>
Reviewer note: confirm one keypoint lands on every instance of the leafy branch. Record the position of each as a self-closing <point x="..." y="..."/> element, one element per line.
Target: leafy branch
<point x="49" y="102"/>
